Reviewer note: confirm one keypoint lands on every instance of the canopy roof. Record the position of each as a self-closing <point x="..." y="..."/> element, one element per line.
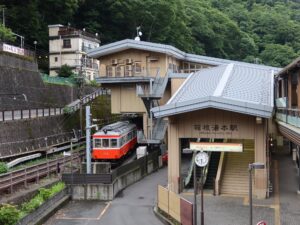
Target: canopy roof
<point x="233" y="87"/>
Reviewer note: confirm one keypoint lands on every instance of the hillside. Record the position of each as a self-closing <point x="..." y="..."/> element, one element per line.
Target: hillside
<point x="261" y="31"/>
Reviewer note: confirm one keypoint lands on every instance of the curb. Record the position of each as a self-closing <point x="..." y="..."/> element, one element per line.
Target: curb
<point x="162" y="218"/>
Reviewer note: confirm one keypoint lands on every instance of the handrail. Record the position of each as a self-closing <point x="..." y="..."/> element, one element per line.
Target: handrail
<point x="219" y="173"/>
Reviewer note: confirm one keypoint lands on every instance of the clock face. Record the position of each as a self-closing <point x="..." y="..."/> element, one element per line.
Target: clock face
<point x="201" y="159"/>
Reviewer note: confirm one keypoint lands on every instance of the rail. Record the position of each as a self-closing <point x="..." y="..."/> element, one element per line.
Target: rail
<point x="33" y="173"/>
<point x="288" y="115"/>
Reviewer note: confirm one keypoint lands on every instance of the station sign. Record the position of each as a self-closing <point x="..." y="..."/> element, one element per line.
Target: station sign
<point x="216" y="147"/>
<point x="13" y="49"/>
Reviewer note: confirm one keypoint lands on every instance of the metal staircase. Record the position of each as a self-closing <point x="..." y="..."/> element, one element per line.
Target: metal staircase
<point x="150" y="96"/>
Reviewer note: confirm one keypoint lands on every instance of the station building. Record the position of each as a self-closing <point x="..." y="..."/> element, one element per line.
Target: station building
<point x="182" y="98"/>
<point x="287" y="106"/>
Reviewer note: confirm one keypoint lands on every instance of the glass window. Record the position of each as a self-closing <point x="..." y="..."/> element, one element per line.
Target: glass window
<point x="105" y="143"/>
<point x="97" y="143"/>
<point x="129" y="135"/>
<point x="67" y="43"/>
<point x="113" y="143"/>
<point x="109" y="71"/>
<point x="138" y="67"/>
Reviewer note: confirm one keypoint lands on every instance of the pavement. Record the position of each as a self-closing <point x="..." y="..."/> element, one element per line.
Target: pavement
<point x="134" y="206"/>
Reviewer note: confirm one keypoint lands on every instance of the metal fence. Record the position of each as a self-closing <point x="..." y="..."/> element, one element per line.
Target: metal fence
<point x="33" y="173"/>
<point x="109" y="178"/>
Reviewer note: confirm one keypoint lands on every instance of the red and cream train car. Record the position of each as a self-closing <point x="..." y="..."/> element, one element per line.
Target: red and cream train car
<point x="114" y="141"/>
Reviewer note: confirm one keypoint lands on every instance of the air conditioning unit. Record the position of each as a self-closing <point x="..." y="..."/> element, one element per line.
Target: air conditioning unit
<point x="114" y="61"/>
<point x="129" y="61"/>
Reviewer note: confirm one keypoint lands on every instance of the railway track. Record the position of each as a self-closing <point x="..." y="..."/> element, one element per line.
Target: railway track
<point x="9" y="181"/>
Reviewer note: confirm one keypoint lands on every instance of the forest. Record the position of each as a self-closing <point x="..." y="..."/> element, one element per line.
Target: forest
<point x="257" y="31"/>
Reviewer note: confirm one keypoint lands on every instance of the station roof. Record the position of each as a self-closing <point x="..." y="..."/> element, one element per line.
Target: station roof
<point x="162" y="48"/>
<point x="233" y="87"/>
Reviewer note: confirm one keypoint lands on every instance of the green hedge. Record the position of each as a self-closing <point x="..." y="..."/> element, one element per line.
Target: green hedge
<point x="3" y="168"/>
<point x="10" y="215"/>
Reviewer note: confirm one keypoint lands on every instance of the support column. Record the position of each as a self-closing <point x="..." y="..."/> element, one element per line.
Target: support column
<point x="173" y="157"/>
<point x="260" y="177"/>
<point x="145" y="125"/>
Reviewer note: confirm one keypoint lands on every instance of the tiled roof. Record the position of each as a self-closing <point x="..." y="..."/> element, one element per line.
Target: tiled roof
<point x="165" y="49"/>
<point x="234" y="87"/>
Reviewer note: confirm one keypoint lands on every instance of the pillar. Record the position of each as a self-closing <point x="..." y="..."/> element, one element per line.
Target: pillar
<point x="173" y="157"/>
<point x="260" y="175"/>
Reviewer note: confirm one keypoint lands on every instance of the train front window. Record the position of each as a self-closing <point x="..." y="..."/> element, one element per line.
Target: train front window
<point x="113" y="143"/>
<point x="97" y="143"/>
<point x="105" y="143"/>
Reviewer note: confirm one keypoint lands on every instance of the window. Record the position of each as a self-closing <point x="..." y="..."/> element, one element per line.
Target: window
<point x="105" y="143"/>
<point x="109" y="71"/>
<point x="55" y="59"/>
<point x="67" y="43"/>
<point x="113" y="143"/>
<point x="97" y="143"/>
<point x="129" y="135"/>
<point x="138" y="67"/>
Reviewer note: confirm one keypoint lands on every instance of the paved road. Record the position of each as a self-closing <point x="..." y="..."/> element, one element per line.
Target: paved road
<point x="133" y="206"/>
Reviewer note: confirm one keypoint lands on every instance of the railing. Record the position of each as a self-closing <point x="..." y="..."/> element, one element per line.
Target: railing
<point x="109" y="178"/>
<point x="151" y="72"/>
<point x="289" y="116"/>
<point x="70" y="81"/>
<point x="8" y="115"/>
<point x="33" y="173"/>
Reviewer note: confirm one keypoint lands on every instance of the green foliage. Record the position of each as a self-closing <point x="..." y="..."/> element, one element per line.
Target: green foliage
<point x="233" y="29"/>
<point x="3" y="167"/>
<point x="9" y="214"/>
<point x="45" y="193"/>
<point x="6" y="34"/>
<point x="57" y="188"/>
<point x="33" y="204"/>
<point x="65" y="71"/>
<point x="93" y="83"/>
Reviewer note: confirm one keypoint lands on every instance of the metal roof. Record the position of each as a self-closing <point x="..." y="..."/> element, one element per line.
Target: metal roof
<point x="233" y="87"/>
<point x="165" y="49"/>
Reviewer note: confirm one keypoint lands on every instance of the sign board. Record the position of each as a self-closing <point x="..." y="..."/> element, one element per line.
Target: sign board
<point x="216" y="147"/>
<point x="261" y="223"/>
<point x="201" y="159"/>
<point x="13" y="49"/>
<point x="67" y="153"/>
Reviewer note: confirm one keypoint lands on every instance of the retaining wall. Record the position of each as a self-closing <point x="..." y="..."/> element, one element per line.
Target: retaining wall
<point x="109" y="191"/>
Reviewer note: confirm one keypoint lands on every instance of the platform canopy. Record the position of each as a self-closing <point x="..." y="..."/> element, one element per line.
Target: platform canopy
<point x="246" y="89"/>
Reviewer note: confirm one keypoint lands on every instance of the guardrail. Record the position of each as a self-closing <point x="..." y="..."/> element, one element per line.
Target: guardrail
<point x="29" y="113"/>
<point x="33" y="173"/>
<point x="288" y="115"/>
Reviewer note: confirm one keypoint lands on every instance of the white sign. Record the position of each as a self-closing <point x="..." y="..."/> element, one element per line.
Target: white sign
<point x="67" y="153"/>
<point x="216" y="147"/>
<point x="201" y="159"/>
<point x="13" y="49"/>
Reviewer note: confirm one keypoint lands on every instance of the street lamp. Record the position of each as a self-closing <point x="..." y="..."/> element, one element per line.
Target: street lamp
<point x="253" y="166"/>
<point x="35" y="43"/>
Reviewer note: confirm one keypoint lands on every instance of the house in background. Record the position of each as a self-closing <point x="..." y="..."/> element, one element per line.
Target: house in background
<point x="68" y="45"/>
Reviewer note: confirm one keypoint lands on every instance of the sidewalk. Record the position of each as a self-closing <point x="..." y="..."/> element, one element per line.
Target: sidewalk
<point x="282" y="208"/>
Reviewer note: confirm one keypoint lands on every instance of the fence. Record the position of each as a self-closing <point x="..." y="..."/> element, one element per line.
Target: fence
<point x="9" y="115"/>
<point x="29" y="113"/>
<point x="109" y="178"/>
<point x="34" y="173"/>
<point x="70" y="81"/>
<point x="107" y="186"/>
<point x="175" y="206"/>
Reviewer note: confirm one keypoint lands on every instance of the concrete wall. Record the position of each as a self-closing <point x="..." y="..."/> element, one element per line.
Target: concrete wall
<point x="109" y="191"/>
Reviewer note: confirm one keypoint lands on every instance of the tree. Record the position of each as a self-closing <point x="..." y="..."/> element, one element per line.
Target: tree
<point x="6" y="34"/>
<point x="278" y="55"/>
<point x="65" y="71"/>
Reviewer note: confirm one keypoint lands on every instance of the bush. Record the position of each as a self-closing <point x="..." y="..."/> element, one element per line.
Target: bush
<point x="3" y="168"/>
<point x="65" y="71"/>
<point x="45" y="193"/>
<point x="9" y="214"/>
<point x="57" y="188"/>
<point x="33" y="204"/>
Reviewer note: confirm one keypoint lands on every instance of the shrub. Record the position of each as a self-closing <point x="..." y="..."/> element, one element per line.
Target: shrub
<point x="57" y="188"/>
<point x="9" y="214"/>
<point x="45" y="193"/>
<point x="3" y="168"/>
<point x="65" y="71"/>
<point x="33" y="204"/>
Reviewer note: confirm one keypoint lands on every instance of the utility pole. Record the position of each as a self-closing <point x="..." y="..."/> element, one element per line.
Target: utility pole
<point x="88" y="138"/>
<point x="3" y="16"/>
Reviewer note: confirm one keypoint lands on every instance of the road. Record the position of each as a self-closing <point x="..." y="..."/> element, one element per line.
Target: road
<point x="133" y="206"/>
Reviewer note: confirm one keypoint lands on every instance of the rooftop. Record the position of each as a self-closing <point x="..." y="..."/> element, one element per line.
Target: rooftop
<point x="166" y="49"/>
<point x="233" y="87"/>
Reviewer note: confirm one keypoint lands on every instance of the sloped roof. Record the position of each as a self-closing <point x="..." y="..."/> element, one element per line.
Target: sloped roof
<point x="233" y="87"/>
<point x="162" y="48"/>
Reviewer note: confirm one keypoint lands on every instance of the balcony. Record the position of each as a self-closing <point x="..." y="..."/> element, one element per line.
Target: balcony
<point x="69" y="31"/>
